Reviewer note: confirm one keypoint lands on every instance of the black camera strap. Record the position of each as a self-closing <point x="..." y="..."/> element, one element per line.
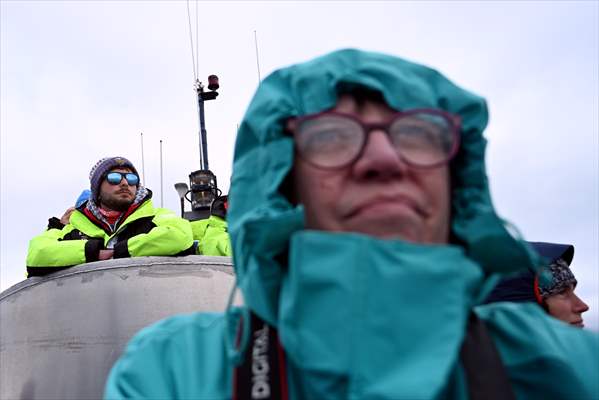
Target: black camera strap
<point x="263" y="375"/>
<point x="486" y="376"/>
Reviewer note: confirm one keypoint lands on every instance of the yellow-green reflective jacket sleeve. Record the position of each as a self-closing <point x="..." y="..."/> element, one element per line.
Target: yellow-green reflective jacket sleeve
<point x="50" y="250"/>
<point x="212" y="236"/>
<point x="170" y="236"/>
<point x="198" y="228"/>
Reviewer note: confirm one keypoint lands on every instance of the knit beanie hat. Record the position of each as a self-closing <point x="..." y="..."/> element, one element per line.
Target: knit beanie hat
<point x="102" y="168"/>
<point x="554" y="278"/>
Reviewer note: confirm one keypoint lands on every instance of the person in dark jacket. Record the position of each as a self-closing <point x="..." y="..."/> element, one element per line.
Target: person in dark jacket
<point x="118" y="220"/>
<point x="552" y="287"/>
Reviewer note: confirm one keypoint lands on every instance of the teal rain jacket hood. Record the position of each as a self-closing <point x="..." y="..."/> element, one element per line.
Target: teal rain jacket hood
<point x="361" y="317"/>
<point x="262" y="220"/>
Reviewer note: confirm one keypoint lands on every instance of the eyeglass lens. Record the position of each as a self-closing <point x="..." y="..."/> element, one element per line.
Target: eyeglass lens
<point x="114" y="178"/>
<point x="420" y="138"/>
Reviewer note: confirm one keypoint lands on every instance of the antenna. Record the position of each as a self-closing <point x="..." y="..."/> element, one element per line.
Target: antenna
<point x="143" y="164"/>
<point x="193" y="59"/>
<point x="257" y="57"/>
<point x="161" y="196"/>
<point x="197" y="41"/>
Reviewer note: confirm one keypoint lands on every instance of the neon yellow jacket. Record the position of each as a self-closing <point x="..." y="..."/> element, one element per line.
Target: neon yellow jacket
<point x="148" y="231"/>
<point x="212" y="236"/>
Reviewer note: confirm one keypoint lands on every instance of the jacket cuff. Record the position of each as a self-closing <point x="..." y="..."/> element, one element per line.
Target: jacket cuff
<point x="42" y="271"/>
<point x="54" y="223"/>
<point x="92" y="249"/>
<point x="121" y="250"/>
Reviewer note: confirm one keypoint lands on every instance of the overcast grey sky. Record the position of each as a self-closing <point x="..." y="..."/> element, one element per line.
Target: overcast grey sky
<point x="81" y="79"/>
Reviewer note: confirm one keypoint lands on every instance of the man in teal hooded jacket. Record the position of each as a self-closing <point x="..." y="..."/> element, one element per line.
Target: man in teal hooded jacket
<point x="364" y="235"/>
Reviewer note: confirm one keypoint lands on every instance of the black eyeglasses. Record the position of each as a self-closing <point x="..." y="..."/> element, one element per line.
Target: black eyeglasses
<point x="114" y="178"/>
<point x="423" y="138"/>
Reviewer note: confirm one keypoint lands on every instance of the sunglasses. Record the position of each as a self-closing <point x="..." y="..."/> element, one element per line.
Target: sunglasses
<point x="423" y="138"/>
<point x="115" y="178"/>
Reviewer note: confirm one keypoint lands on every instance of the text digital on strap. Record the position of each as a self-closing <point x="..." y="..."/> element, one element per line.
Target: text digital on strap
<point x="262" y="375"/>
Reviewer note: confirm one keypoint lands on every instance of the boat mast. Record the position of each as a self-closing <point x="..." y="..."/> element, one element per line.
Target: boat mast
<point x="143" y="165"/>
<point x="203" y="188"/>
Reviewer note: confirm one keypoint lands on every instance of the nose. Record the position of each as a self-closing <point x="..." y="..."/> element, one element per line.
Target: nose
<point x="124" y="182"/>
<point x="579" y="305"/>
<point x="379" y="159"/>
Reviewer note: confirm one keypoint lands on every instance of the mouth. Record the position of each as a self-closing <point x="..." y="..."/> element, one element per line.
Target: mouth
<point x="387" y="204"/>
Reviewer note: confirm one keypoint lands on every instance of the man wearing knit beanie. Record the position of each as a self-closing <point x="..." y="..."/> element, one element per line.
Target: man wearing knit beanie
<point x="118" y="220"/>
<point x="97" y="177"/>
<point x="552" y="287"/>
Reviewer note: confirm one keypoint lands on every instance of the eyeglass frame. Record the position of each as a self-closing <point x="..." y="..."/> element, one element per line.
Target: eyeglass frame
<point x="123" y="176"/>
<point x="454" y="120"/>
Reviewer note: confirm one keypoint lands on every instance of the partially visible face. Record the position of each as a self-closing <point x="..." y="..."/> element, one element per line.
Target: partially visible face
<point x="567" y="306"/>
<point x="379" y="194"/>
<point x="117" y="197"/>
